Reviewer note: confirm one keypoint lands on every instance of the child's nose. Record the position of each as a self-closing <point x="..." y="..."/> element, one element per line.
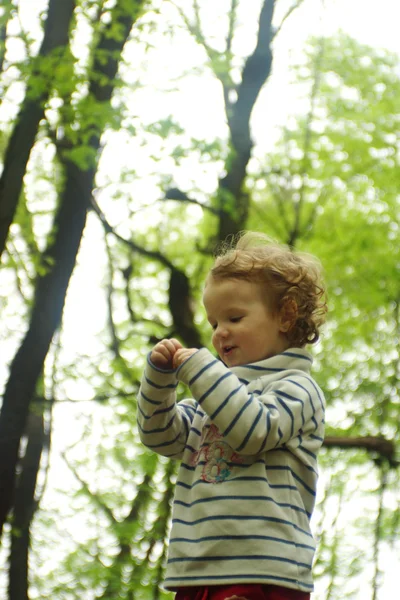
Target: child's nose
<point x="221" y="331"/>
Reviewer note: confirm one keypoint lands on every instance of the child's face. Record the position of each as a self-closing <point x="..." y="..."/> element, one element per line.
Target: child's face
<point x="245" y="329"/>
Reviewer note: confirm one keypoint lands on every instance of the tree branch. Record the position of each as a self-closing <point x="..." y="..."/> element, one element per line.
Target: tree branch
<point x="151" y="254"/>
<point x="180" y="298"/>
<point x="31" y="113"/>
<point x="94" y="497"/>
<point x="179" y="196"/>
<point x="385" y="448"/>
<point x="233" y="201"/>
<point x="59" y="257"/>
<point x="286" y="16"/>
<point x="295" y="232"/>
<point x="231" y="28"/>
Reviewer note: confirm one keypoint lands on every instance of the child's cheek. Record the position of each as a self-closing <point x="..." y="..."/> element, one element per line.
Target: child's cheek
<point x="214" y="341"/>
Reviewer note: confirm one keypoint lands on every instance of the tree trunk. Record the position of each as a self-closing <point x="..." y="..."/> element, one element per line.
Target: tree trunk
<point x="233" y="199"/>
<point x="59" y="260"/>
<point x="45" y="319"/>
<point x="24" y="507"/>
<point x="31" y="113"/>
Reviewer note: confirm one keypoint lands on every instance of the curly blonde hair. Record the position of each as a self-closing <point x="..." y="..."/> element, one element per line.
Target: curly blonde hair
<point x="293" y="280"/>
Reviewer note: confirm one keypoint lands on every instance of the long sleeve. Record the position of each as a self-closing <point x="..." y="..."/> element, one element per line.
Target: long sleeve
<point x="265" y="418"/>
<point x="246" y="485"/>
<point x="163" y="424"/>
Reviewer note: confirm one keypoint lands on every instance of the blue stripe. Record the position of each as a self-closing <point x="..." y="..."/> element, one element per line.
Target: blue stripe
<point x="170" y="386"/>
<point x="316" y="437"/>
<point x="187" y="406"/>
<point x="270" y="538"/>
<point x="268" y="425"/>
<point x="245" y="498"/>
<point x="284" y="405"/>
<point x="283" y="486"/>
<point x="304" y="390"/>
<point x="159" y="429"/>
<point x="188" y="447"/>
<point x="187" y="422"/>
<point x="294" y="475"/>
<point x="155" y="368"/>
<point x="237" y="417"/>
<point x="321" y="400"/>
<point x="280" y="437"/>
<point x="214" y="385"/>
<point x="310" y="468"/>
<point x="295" y="355"/>
<point x="290" y="397"/>
<point x="163" y="410"/>
<point x="314" y="456"/>
<point x="184" y="485"/>
<point x="188" y="412"/>
<point x="156" y="402"/>
<point x="187" y="467"/>
<point x="245" y="577"/>
<point x="221" y="406"/>
<point x="242" y="518"/>
<point x="246" y="439"/>
<point x="164" y="443"/>
<point x="305" y="486"/>
<point x="266" y="369"/>
<point x="201" y="482"/>
<point x="312" y="382"/>
<point x="195" y="377"/>
<point x="173" y="455"/>
<point x="240" y="557"/>
<point x="156" y="412"/>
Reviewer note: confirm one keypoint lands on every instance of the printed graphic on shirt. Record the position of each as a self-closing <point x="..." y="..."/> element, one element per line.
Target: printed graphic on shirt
<point x="215" y="456"/>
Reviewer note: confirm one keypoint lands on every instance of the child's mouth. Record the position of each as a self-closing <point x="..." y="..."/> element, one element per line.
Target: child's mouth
<point x="228" y="350"/>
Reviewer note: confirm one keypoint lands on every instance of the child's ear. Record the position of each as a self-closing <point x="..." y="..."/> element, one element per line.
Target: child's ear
<point x="288" y="314"/>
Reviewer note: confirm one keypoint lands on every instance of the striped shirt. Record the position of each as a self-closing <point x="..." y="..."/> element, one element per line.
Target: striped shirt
<point x="248" y="443"/>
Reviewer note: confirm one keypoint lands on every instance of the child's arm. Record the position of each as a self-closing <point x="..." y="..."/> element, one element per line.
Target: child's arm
<point x="263" y="420"/>
<point x="163" y="425"/>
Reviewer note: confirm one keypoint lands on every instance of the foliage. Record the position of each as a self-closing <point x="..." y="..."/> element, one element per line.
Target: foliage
<point x="329" y="187"/>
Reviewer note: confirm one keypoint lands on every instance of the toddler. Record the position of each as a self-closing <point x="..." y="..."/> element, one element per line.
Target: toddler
<point x="248" y="438"/>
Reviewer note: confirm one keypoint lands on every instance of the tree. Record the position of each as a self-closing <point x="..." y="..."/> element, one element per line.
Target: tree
<point x="325" y="175"/>
<point x="58" y="258"/>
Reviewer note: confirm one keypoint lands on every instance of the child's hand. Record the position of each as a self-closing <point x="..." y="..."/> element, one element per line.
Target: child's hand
<point x="163" y="353"/>
<point x="181" y="355"/>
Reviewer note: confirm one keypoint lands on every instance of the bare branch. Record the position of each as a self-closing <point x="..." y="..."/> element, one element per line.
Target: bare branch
<point x="307" y="143"/>
<point x="180" y="300"/>
<point x="97" y="500"/>
<point x="115" y="342"/>
<point x="195" y="29"/>
<point x="179" y="196"/>
<point x="385" y="448"/>
<point x="135" y="247"/>
<point x="286" y="16"/>
<point x="231" y="27"/>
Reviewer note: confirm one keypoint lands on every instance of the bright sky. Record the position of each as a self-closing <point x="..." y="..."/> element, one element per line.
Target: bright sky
<point x="198" y="104"/>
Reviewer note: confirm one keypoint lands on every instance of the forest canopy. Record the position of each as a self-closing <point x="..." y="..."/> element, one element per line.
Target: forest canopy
<point x="135" y="136"/>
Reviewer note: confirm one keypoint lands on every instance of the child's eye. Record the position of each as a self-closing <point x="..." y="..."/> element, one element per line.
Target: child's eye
<point x="213" y="326"/>
<point x="235" y="319"/>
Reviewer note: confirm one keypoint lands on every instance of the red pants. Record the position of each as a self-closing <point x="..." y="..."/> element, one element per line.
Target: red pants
<point x="248" y="591"/>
